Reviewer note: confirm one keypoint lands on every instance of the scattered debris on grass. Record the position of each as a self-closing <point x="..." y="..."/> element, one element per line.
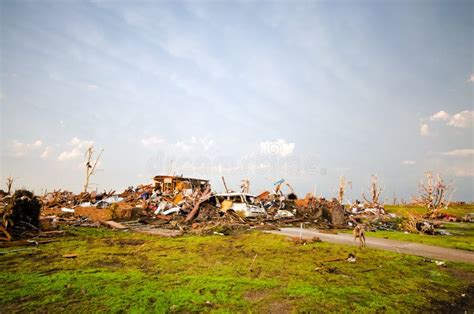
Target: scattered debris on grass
<point x="438" y="263"/>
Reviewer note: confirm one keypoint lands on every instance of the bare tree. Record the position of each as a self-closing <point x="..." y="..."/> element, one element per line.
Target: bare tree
<point x="9" y="185"/>
<point x="434" y="194"/>
<point x="342" y="189"/>
<point x="375" y="191"/>
<point x="91" y="165"/>
<point x="245" y="186"/>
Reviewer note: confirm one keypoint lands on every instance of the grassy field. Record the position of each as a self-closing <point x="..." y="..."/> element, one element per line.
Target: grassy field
<point x="453" y="210"/>
<point x="462" y="236"/>
<point x="251" y="272"/>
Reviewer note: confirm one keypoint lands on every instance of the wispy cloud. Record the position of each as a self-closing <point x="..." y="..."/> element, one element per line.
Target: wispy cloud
<point x="183" y="146"/>
<point x="460" y="171"/>
<point x="18" y="149"/>
<point x="152" y="142"/>
<point x="46" y="152"/>
<point x="279" y="147"/>
<point x="460" y="152"/>
<point x="92" y="87"/>
<point x="77" y="148"/>
<point x="408" y="162"/>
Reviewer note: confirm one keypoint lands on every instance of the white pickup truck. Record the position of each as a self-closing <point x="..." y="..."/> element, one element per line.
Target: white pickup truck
<point x="241" y="202"/>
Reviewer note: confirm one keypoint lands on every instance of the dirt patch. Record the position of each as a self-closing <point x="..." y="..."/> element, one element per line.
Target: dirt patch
<point x="280" y="306"/>
<point x="462" y="274"/>
<point x="95" y="214"/>
<point x="122" y="211"/>
<point x="266" y="303"/>
<point x="256" y="295"/>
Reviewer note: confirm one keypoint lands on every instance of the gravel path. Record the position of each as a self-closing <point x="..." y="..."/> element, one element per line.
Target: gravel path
<point x="403" y="247"/>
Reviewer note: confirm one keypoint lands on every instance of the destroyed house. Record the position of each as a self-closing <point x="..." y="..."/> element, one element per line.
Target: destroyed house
<point x="173" y="184"/>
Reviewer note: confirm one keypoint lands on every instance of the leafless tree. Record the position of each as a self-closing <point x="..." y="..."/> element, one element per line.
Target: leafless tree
<point x="91" y="165"/>
<point x="342" y="189"/>
<point x="245" y="186"/>
<point x="434" y="194"/>
<point x="9" y="185"/>
<point x="375" y="192"/>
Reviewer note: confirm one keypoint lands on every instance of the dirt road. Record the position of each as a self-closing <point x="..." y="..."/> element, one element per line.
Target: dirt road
<point x="391" y="245"/>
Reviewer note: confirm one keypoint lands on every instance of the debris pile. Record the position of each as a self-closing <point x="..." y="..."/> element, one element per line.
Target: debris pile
<point x="176" y="205"/>
<point x="414" y="224"/>
<point x="19" y="213"/>
<point x="188" y="205"/>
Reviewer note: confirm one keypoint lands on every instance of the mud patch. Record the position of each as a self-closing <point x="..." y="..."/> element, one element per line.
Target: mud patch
<point x="462" y="304"/>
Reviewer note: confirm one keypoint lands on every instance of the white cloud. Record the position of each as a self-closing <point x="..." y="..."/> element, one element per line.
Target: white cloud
<point x="424" y="129"/>
<point x="47" y="151"/>
<point x="77" y="148"/>
<point x="440" y="116"/>
<point x="279" y="147"/>
<point x="471" y="78"/>
<point x="204" y="143"/>
<point x="92" y="87"/>
<point x="69" y="155"/>
<point x="460" y="152"/>
<point x="408" y="162"/>
<point x="183" y="146"/>
<point x="152" y="142"/>
<point x="19" y="149"/>
<point x="463" y="119"/>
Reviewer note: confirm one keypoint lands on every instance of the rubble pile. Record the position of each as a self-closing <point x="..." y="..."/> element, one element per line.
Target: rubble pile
<point x="189" y="205"/>
<point x="176" y="205"/>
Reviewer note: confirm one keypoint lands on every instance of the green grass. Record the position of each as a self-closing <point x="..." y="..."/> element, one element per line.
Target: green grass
<point x="121" y="271"/>
<point x="453" y="210"/>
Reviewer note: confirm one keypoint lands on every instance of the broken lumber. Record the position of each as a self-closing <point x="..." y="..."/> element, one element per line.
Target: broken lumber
<point x="24" y="243"/>
<point x="203" y="197"/>
<point x="70" y="255"/>
<point x="114" y="225"/>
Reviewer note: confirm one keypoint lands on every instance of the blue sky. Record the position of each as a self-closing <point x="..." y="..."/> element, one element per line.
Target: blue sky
<point x="306" y="91"/>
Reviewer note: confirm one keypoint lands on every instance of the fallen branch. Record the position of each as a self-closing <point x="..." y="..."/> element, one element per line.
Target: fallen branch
<point x="253" y="261"/>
